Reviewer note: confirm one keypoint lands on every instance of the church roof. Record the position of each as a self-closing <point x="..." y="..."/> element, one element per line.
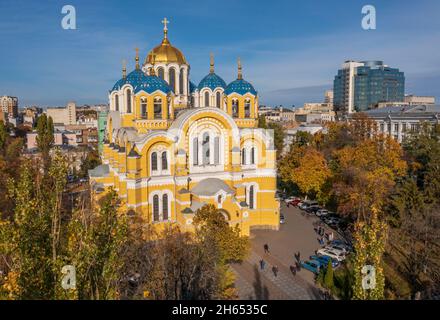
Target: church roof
<point x="240" y="86"/>
<point x="140" y="81"/>
<point x="210" y="186"/>
<point x="212" y="81"/>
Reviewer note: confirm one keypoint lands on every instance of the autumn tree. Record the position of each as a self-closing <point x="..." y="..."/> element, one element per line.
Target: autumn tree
<point x="45" y="137"/>
<point x="3" y="135"/>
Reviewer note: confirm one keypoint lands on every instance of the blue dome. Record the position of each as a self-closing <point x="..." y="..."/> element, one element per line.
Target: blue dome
<point x="140" y="81"/>
<point x="212" y="81"/>
<point x="240" y="86"/>
<point x="192" y="87"/>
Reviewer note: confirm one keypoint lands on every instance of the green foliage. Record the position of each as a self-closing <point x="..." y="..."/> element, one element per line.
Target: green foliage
<point x="45" y="136"/>
<point x="91" y="161"/>
<point x="279" y="135"/>
<point x="262" y="122"/>
<point x="328" y="279"/>
<point x="3" y="135"/>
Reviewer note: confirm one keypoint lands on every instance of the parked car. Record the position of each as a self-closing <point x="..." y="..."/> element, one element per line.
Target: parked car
<point x="340" y="245"/>
<point x="332" y="221"/>
<point x="332" y="254"/>
<point x="322" y="212"/>
<point x="307" y="204"/>
<point x="282" y="219"/>
<point x="312" y="265"/>
<point x="337" y="248"/>
<point x="313" y="209"/>
<point x="324" y="260"/>
<point x="294" y="202"/>
<point x="288" y="199"/>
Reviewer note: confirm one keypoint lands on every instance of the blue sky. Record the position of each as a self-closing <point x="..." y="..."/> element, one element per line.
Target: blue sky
<point x="290" y="49"/>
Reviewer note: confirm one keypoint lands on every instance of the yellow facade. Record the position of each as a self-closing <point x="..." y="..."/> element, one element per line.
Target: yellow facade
<point x="167" y="159"/>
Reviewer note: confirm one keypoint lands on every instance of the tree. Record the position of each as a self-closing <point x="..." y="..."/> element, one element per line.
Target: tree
<point x="45" y="137"/>
<point x="262" y="122"/>
<point x="328" y="278"/>
<point x="96" y="238"/>
<point x="3" y="135"/>
<point x="279" y="136"/>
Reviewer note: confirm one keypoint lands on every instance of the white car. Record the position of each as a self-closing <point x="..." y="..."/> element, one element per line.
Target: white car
<point x="332" y="254"/>
<point x="288" y="199"/>
<point x="321" y="212"/>
<point x="337" y="248"/>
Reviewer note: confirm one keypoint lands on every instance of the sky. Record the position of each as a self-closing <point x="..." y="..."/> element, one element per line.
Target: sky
<point x="290" y="50"/>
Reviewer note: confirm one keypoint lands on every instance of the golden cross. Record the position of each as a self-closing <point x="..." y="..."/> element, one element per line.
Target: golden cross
<point x="165" y="21"/>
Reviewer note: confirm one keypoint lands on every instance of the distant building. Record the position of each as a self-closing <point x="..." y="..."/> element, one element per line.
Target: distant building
<point x="65" y="115"/>
<point x="360" y="86"/>
<point x="419" y="100"/>
<point x="277" y="114"/>
<point x="85" y="136"/>
<point x="291" y="133"/>
<point x="400" y="121"/>
<point x="317" y="112"/>
<point x="61" y="138"/>
<point x="9" y="108"/>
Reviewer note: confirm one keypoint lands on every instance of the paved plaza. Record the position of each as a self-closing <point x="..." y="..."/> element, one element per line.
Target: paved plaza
<point x="295" y="235"/>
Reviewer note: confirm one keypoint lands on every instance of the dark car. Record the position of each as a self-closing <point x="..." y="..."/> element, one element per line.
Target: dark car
<point x="313" y="208"/>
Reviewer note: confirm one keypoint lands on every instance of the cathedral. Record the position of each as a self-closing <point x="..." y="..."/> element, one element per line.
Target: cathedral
<point x="172" y="146"/>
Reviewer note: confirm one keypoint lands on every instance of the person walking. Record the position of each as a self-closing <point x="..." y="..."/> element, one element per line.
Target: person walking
<point x="293" y="270"/>
<point x="275" y="270"/>
<point x="266" y="248"/>
<point x="262" y="264"/>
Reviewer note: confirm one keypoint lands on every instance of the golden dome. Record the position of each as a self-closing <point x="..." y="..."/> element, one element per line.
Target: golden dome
<point x="165" y="52"/>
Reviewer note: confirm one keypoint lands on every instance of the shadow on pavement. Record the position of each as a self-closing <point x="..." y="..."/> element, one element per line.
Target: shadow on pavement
<point x="260" y="290"/>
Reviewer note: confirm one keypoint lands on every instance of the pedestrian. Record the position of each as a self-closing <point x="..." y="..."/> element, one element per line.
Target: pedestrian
<point x="266" y="248"/>
<point x="293" y="270"/>
<point x="299" y="256"/>
<point x="275" y="270"/>
<point x="330" y="236"/>
<point x="262" y="264"/>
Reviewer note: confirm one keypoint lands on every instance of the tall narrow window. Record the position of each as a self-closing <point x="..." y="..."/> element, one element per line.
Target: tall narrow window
<point x="235" y="108"/>
<point x="206" y="149"/>
<point x="157" y="108"/>
<point x="216" y="150"/>
<point x="165" y="207"/>
<point x="156" y="207"/>
<point x="252" y="155"/>
<point x="128" y="101"/>
<point x="164" y="161"/>
<point x="251" y="197"/>
<point x="116" y="102"/>
<point x="144" y="108"/>
<point x="206" y="99"/>
<point x="218" y="99"/>
<point x="247" y="108"/>
<point x="172" y="78"/>
<point x="181" y="78"/>
<point x="160" y="73"/>
<point x="243" y="156"/>
<point x="154" y="161"/>
<point x="195" y="151"/>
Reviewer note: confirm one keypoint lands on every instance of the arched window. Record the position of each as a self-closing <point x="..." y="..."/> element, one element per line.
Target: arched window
<point x="181" y="81"/>
<point x="154" y="161"/>
<point x="116" y="102"/>
<point x="164" y="161"/>
<point x="252" y="155"/>
<point x="216" y="150"/>
<point x="157" y="108"/>
<point x="243" y="156"/>
<point x="165" y="207"/>
<point x="206" y="149"/>
<point x="156" y="207"/>
<point x="251" y="197"/>
<point x="128" y="101"/>
<point x="206" y="99"/>
<point x="235" y="108"/>
<point x="144" y="108"/>
<point x="247" y="108"/>
<point x="172" y="78"/>
<point x="195" y="151"/>
<point x="160" y="73"/>
<point x="218" y="99"/>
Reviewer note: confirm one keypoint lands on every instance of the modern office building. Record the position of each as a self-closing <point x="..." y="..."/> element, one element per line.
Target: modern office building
<point x="360" y="86"/>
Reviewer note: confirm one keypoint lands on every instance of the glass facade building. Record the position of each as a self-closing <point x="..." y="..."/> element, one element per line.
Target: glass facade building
<point x="361" y="86"/>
